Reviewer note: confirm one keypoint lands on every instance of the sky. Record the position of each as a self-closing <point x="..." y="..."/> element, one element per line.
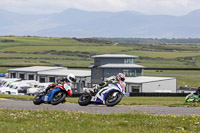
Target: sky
<point x="168" y="7"/>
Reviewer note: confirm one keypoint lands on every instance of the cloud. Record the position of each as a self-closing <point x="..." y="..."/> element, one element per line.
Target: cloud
<point x="173" y="7"/>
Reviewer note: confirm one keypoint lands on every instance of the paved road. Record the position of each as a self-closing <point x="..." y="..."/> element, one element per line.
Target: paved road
<point x="28" y="105"/>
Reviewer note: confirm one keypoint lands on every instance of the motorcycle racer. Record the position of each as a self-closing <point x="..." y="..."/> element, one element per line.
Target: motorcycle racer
<point x="120" y="78"/>
<point x="65" y="82"/>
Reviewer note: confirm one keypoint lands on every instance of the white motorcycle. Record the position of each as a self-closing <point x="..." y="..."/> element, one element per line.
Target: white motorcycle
<point x="110" y="95"/>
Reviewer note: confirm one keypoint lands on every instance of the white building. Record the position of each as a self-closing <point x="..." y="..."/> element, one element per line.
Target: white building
<point x="52" y="74"/>
<point x="151" y="84"/>
<point x="83" y="77"/>
<point x="29" y="73"/>
<point x="134" y="84"/>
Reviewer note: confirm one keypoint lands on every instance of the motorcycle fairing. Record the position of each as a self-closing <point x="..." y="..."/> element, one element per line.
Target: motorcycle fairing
<point x="100" y="97"/>
<point x="50" y="95"/>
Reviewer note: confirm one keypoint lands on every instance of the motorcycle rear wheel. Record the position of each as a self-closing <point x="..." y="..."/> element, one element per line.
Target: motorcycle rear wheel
<point x="113" y="100"/>
<point x="84" y="99"/>
<point x="58" y="98"/>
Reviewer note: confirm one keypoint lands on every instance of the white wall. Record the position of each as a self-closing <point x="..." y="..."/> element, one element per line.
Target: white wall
<point x="159" y="86"/>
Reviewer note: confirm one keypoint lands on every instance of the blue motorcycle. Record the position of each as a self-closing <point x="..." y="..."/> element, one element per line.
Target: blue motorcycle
<point x="109" y="95"/>
<point x="54" y="97"/>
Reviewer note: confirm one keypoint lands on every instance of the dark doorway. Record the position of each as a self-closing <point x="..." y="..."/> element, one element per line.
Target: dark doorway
<point x="22" y="76"/>
<point x="135" y="89"/>
<point x="42" y="79"/>
<point x="31" y="77"/>
<point x="52" y="79"/>
<point x="13" y="75"/>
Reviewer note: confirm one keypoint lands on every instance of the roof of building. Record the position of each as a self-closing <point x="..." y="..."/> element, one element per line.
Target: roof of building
<point x="121" y="66"/>
<point x="146" y="79"/>
<point x="114" y="56"/>
<point x="35" y="68"/>
<point x="65" y="72"/>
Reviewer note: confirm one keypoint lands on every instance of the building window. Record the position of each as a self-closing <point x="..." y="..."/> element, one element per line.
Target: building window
<point x="128" y="61"/>
<point x="108" y="74"/>
<point x="22" y="76"/>
<point x="129" y="73"/>
<point x="52" y="79"/>
<point x="13" y="75"/>
<point x="31" y="77"/>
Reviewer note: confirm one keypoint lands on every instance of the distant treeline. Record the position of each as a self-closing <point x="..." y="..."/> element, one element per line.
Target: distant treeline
<point x="155" y="40"/>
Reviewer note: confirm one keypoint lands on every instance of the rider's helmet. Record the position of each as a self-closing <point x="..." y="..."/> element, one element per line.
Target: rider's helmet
<point x="120" y="77"/>
<point x="71" y="78"/>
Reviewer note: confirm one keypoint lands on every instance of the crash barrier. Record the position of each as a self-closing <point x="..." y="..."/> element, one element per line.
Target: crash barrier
<point x="158" y="94"/>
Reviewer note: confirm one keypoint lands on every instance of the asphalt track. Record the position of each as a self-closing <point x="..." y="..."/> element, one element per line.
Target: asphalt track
<point x="164" y="110"/>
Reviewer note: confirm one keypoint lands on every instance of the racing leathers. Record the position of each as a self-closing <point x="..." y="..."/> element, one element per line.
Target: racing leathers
<point x="66" y="85"/>
<point x="110" y="80"/>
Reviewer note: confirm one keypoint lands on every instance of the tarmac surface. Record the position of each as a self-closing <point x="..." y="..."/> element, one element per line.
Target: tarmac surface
<point x="72" y="107"/>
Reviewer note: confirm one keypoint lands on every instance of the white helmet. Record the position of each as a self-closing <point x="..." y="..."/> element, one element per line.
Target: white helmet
<point x="71" y="78"/>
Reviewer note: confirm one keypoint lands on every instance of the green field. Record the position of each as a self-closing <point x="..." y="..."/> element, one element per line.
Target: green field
<point x="78" y="52"/>
<point x="49" y="121"/>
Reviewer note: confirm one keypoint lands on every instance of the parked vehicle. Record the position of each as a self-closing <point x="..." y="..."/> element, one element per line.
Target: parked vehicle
<point x="39" y="88"/>
<point x="55" y="96"/>
<point x="2" y="74"/>
<point x="109" y="95"/>
<point x="192" y="97"/>
<point x="10" y="91"/>
<point x="32" y="83"/>
<point x="15" y="88"/>
<point x="5" y="81"/>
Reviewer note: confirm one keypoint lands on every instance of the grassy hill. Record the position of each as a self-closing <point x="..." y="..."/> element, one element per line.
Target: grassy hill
<point x="23" y="51"/>
<point x="78" y="52"/>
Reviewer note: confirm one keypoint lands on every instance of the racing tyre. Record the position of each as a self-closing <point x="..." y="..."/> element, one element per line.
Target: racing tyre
<point x="37" y="100"/>
<point x="84" y="99"/>
<point x="113" y="98"/>
<point x="58" y="98"/>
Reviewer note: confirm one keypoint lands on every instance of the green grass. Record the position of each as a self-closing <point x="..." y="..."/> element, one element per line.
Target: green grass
<point x="12" y="121"/>
<point x="23" y="97"/>
<point x="162" y="101"/>
<point x="4" y="69"/>
<point x="164" y="54"/>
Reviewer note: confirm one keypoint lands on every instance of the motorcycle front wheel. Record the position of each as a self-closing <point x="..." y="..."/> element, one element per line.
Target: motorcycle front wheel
<point x="37" y="100"/>
<point x="113" y="98"/>
<point x="84" y="99"/>
<point x="58" y="98"/>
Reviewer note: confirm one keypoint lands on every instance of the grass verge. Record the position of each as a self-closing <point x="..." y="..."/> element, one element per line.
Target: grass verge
<point x="51" y="121"/>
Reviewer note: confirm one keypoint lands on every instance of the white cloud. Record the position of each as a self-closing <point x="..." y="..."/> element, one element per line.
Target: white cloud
<point x="172" y="7"/>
